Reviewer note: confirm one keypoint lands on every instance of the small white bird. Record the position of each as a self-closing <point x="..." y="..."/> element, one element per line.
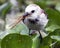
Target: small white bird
<point x="36" y="18"/>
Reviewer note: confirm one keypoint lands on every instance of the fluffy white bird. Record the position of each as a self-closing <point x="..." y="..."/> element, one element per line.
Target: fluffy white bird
<point x="36" y="18"/>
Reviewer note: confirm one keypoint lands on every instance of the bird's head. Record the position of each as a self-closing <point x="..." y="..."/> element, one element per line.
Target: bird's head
<point x="32" y="11"/>
<point x="34" y="14"/>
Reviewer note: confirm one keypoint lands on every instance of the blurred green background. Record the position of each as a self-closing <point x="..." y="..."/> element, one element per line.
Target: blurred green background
<point x="18" y="37"/>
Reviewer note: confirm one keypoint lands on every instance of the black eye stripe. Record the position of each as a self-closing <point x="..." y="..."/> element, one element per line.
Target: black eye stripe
<point x="32" y="11"/>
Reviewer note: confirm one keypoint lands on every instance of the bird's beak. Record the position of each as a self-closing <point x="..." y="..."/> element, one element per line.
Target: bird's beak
<point x="26" y="14"/>
<point x="19" y="19"/>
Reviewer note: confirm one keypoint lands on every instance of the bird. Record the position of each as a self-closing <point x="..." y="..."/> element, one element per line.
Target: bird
<point x="35" y="19"/>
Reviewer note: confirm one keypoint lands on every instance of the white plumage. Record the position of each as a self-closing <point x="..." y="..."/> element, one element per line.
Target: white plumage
<point x="36" y="20"/>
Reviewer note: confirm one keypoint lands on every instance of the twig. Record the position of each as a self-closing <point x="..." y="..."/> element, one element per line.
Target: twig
<point x="16" y="22"/>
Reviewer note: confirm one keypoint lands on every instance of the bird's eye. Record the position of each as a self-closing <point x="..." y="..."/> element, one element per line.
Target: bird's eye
<point x="32" y="11"/>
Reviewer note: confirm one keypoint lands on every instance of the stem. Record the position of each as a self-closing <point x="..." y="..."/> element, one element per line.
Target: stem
<point x="16" y="22"/>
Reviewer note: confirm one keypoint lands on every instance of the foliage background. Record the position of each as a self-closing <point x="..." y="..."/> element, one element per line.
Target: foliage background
<point x="18" y="36"/>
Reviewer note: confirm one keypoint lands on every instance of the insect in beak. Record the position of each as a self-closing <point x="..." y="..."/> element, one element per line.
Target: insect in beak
<point x="19" y="19"/>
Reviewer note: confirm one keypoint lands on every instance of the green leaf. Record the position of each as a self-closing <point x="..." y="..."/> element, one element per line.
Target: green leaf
<point x="4" y="9"/>
<point x="41" y="4"/>
<point x="54" y="16"/>
<point x="55" y="33"/>
<point x="52" y="27"/>
<point x="44" y="46"/>
<point x="0" y="43"/>
<point x="46" y="42"/>
<point x="54" y="20"/>
<point x="36" y="41"/>
<point x="56" y="37"/>
<point x="20" y="28"/>
<point x="16" y="41"/>
<point x="56" y="45"/>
